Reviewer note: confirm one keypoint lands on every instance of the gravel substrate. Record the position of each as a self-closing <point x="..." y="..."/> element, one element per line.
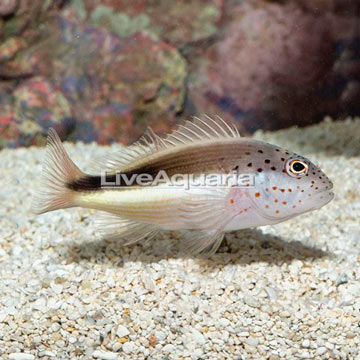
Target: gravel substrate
<point x="289" y="291"/>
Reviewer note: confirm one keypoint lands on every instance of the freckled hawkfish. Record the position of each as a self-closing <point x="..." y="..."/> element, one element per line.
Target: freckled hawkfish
<point x="283" y="185"/>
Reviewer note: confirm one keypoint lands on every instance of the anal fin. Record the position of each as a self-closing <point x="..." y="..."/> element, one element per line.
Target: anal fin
<point x="203" y="242"/>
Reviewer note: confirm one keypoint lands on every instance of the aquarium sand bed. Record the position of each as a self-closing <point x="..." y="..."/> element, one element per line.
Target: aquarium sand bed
<point x="289" y="291"/>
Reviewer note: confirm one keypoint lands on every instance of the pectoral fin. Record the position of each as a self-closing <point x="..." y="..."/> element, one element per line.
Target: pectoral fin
<point x="208" y="209"/>
<point x="204" y="242"/>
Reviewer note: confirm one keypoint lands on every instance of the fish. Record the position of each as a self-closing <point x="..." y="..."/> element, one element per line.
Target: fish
<point x="276" y="185"/>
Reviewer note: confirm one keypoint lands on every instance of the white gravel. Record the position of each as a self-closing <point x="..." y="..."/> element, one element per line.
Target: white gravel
<point x="289" y="291"/>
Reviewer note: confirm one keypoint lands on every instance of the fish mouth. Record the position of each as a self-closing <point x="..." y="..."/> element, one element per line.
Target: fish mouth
<point x="324" y="197"/>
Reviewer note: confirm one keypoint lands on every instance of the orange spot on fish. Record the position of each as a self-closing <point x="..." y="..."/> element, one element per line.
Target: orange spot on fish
<point x="284" y="202"/>
<point x="282" y="190"/>
<point x="274" y="187"/>
<point x="276" y="200"/>
<point x="277" y="211"/>
<point x="266" y="206"/>
<point x="231" y="201"/>
<point x="267" y="189"/>
<point x="289" y="190"/>
<point x="257" y="194"/>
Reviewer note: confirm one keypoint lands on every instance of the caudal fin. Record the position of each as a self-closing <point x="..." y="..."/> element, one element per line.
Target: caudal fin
<point x="58" y="171"/>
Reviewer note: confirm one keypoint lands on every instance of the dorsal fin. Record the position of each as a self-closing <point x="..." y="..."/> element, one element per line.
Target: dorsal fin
<point x="191" y="132"/>
<point x="200" y="130"/>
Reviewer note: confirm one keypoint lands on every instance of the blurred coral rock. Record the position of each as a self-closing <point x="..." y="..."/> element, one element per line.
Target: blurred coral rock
<point x="7" y="7"/>
<point x="117" y="85"/>
<point x="273" y="65"/>
<point x="176" y="22"/>
<point x="104" y="70"/>
<point x="33" y="107"/>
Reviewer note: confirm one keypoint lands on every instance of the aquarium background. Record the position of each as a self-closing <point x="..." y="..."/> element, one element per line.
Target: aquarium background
<point x="105" y="70"/>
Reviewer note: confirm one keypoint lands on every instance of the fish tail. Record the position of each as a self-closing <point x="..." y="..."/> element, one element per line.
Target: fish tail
<point x="58" y="171"/>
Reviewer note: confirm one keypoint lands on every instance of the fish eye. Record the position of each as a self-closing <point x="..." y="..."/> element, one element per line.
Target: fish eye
<point x="296" y="167"/>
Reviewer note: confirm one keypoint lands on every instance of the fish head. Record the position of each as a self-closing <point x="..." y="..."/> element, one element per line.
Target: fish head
<point x="287" y="185"/>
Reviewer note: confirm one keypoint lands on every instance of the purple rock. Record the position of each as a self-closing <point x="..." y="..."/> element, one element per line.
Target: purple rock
<point x="8" y="7"/>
